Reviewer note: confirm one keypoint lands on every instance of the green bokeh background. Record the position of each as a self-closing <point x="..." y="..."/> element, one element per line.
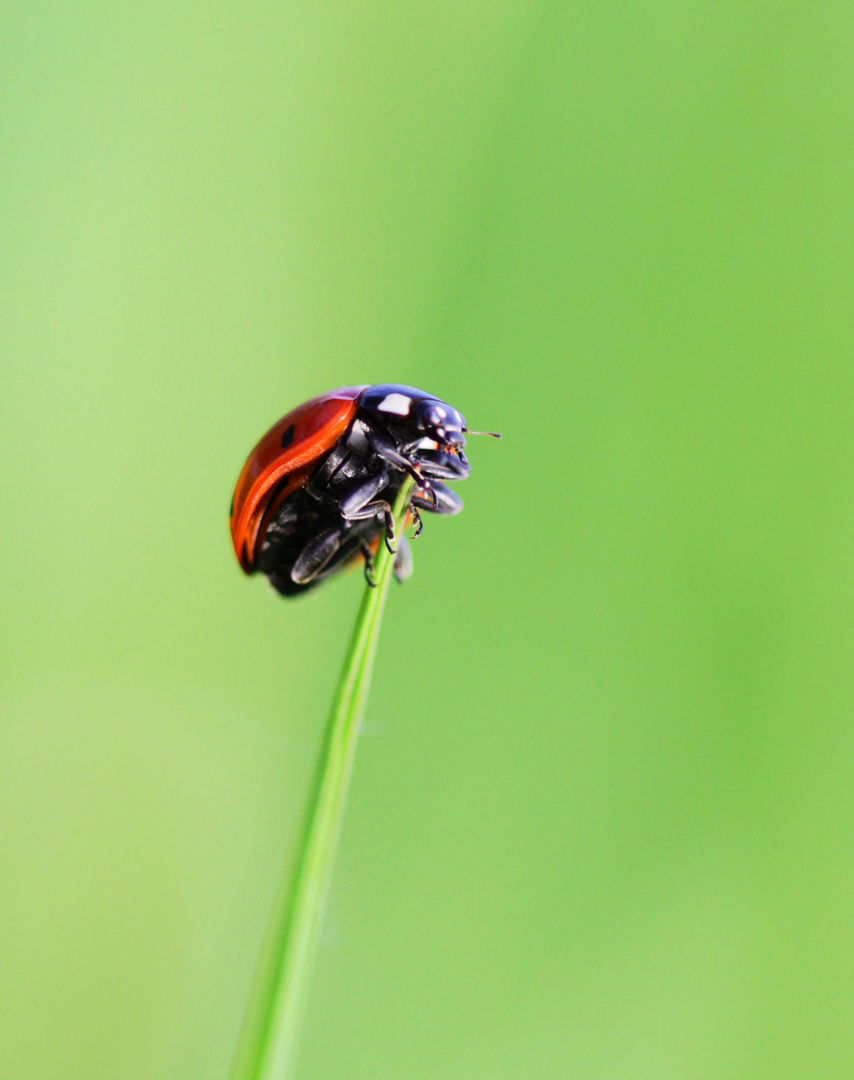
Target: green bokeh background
<point x="601" y="820"/>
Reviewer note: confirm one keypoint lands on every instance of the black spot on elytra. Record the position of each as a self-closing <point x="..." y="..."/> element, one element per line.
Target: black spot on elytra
<point x="288" y="437"/>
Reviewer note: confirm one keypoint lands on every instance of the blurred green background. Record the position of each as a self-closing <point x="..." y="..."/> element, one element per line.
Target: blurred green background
<point x="601" y="821"/>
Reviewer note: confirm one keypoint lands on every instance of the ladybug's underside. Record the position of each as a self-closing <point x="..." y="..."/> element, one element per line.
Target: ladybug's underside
<point x="299" y="526"/>
<point x="342" y="508"/>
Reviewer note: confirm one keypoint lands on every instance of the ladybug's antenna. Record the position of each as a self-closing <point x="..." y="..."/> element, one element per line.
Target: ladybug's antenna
<point x="491" y="434"/>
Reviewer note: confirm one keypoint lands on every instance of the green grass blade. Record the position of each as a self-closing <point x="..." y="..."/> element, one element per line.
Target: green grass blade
<point x="268" y="1042"/>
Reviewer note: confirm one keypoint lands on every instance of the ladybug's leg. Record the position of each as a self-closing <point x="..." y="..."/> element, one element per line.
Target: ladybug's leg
<point x="386" y="450"/>
<point x="369" y="562"/>
<point x="445" y="502"/>
<point x="361" y="504"/>
<point x="315" y="555"/>
<point x="416" y="520"/>
<point x="440" y="465"/>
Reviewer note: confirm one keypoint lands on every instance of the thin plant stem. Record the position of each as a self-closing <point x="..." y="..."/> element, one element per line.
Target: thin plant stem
<point x="271" y="1028"/>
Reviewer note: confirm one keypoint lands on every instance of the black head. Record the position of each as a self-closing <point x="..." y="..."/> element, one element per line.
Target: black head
<point x="423" y="415"/>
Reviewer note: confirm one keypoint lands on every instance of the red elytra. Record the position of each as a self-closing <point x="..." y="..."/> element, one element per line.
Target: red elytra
<point x="282" y="454"/>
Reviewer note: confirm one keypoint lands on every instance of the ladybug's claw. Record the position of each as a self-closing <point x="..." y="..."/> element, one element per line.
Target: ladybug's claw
<point x="369" y="564"/>
<point x="390" y="537"/>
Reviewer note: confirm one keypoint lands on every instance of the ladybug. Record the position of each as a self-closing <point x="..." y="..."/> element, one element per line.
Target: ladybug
<point x="317" y="491"/>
